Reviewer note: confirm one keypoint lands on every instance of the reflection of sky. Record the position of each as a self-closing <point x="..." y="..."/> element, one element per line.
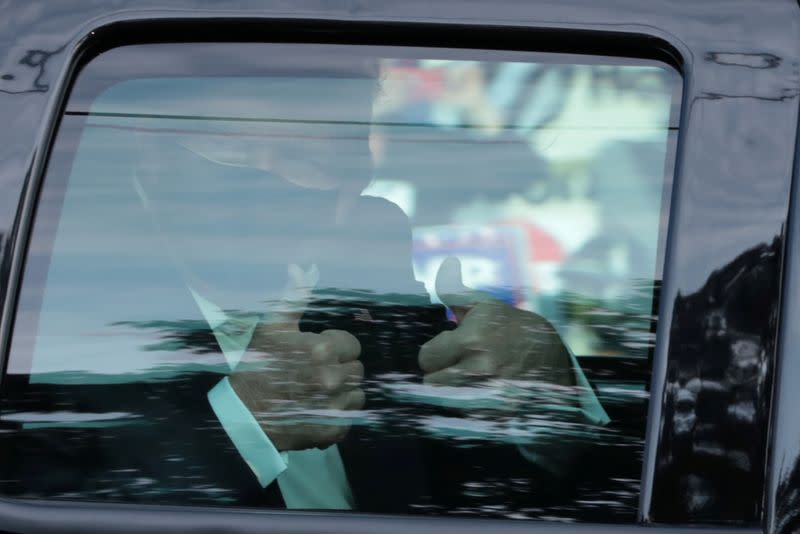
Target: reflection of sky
<point x="249" y="98"/>
<point x="105" y="267"/>
<point x="109" y="264"/>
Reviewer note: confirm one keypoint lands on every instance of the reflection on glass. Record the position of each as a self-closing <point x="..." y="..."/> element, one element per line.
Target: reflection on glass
<point x="386" y="285"/>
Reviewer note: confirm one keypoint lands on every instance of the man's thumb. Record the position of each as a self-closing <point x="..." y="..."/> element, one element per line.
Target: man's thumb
<point x="451" y="289"/>
<point x="297" y="294"/>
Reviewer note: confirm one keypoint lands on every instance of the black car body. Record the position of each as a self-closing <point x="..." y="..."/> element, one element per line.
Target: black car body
<point x="727" y="307"/>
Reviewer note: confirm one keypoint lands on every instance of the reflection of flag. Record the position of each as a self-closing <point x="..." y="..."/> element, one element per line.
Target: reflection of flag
<point x="492" y="258"/>
<point x="544" y="256"/>
<point x="423" y="84"/>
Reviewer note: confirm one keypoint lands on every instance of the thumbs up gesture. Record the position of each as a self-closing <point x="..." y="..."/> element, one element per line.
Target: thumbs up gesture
<point x="300" y="386"/>
<point x="492" y="340"/>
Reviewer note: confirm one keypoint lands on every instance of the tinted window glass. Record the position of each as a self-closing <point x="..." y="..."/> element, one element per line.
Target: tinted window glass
<point x="373" y="279"/>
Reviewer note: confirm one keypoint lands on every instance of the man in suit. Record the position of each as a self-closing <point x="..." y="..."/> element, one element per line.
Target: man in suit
<point x="326" y="343"/>
<point x="339" y="385"/>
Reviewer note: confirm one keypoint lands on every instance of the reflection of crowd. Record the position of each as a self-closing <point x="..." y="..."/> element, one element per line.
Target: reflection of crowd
<point x="576" y="152"/>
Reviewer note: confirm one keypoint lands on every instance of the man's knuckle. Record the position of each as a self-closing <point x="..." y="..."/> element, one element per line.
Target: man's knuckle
<point x="329" y="382"/>
<point x="473" y="341"/>
<point x="321" y="351"/>
<point x="359" y="397"/>
<point x="315" y="378"/>
<point x="358" y="370"/>
<point x="446" y="337"/>
<point x="425" y="359"/>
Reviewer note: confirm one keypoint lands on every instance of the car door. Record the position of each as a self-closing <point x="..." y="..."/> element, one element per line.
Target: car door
<point x="622" y="170"/>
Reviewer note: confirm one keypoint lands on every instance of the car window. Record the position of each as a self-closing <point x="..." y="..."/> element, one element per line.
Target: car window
<point x="375" y="279"/>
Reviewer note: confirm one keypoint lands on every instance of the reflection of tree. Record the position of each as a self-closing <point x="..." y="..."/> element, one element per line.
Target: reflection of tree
<point x="185" y="334"/>
<point x="716" y="411"/>
<point x="607" y="297"/>
<point x="620" y="326"/>
<point x="492" y="478"/>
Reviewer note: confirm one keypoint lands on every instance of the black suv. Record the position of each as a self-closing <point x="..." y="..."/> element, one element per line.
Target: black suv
<point x="355" y="266"/>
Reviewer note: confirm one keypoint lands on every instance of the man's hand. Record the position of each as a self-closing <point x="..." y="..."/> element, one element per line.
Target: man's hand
<point x="493" y="340"/>
<point x="300" y="385"/>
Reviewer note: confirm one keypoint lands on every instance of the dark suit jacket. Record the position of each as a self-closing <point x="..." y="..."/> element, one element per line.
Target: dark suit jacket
<point x="168" y="446"/>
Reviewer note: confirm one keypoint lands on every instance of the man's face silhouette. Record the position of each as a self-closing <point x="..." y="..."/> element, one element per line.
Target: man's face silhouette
<point x="233" y="196"/>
